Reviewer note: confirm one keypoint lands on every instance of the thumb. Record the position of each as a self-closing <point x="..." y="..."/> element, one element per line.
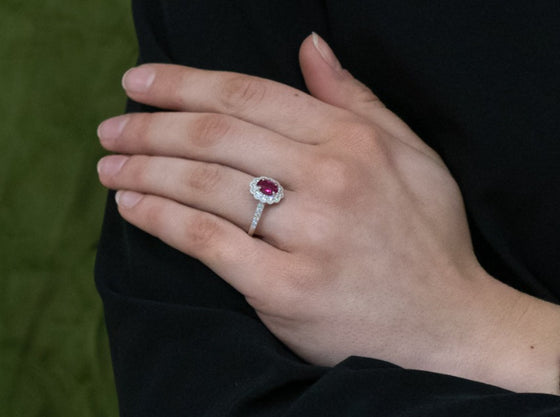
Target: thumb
<point x="329" y="82"/>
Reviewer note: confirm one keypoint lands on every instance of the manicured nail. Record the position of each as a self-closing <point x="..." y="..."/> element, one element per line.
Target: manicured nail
<point x="112" y="164"/>
<point x="111" y="129"/>
<point x="138" y="79"/>
<point x="326" y="52"/>
<point x="128" y="199"/>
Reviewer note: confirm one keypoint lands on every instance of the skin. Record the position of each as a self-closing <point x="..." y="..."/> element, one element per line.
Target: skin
<point x="368" y="254"/>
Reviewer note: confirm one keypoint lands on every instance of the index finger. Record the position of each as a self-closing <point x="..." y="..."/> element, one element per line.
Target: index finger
<point x="270" y="104"/>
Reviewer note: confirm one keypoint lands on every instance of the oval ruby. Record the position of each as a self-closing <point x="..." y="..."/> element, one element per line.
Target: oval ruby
<point x="267" y="187"/>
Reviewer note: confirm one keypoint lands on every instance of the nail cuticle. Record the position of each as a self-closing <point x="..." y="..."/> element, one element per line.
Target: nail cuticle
<point x="138" y="79"/>
<point x="111" y="129"/>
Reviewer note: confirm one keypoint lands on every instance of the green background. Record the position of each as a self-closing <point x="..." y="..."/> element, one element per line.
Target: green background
<point x="60" y="65"/>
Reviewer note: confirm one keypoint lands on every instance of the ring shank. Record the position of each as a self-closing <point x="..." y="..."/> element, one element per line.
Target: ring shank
<point x="256" y="218"/>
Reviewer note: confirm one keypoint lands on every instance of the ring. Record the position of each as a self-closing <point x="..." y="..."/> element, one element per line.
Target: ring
<point x="266" y="191"/>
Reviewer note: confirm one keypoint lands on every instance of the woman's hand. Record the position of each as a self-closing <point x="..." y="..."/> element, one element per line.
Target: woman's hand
<point x="368" y="254"/>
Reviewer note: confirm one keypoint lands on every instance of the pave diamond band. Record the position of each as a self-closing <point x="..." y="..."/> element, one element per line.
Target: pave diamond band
<point x="266" y="191"/>
<point x="256" y="218"/>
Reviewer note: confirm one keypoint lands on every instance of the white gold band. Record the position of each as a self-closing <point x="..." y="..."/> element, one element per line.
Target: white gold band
<point x="256" y="218"/>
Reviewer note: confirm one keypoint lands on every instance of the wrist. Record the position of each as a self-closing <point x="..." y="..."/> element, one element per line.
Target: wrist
<point x="516" y="341"/>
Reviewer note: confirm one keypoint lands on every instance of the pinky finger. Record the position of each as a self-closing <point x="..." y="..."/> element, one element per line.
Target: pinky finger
<point x="222" y="246"/>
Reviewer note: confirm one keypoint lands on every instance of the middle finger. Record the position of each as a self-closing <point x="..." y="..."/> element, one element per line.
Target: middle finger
<point x="211" y="138"/>
<point x="267" y="103"/>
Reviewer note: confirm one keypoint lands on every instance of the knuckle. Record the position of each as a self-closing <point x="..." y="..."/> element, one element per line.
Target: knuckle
<point x="286" y="291"/>
<point x="154" y="218"/>
<point x="366" y="141"/>
<point x="337" y="176"/>
<point x="151" y="125"/>
<point x="139" y="170"/>
<point x="363" y="94"/>
<point x="142" y="129"/>
<point x="133" y="172"/>
<point x="145" y="127"/>
<point x="210" y="129"/>
<point x="179" y="94"/>
<point x="318" y="230"/>
<point x="241" y="92"/>
<point x="204" y="177"/>
<point x="340" y="173"/>
<point x="301" y="281"/>
<point x="201" y="232"/>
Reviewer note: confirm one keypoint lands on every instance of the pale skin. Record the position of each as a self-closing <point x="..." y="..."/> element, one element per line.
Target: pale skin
<point x="368" y="254"/>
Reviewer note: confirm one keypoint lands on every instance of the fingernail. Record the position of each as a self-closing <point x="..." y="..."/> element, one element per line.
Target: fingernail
<point x="326" y="52"/>
<point x="138" y="79"/>
<point x="111" y="129"/>
<point x="128" y="199"/>
<point x="110" y="165"/>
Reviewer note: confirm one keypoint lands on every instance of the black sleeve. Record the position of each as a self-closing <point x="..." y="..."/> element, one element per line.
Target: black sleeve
<point x="183" y="342"/>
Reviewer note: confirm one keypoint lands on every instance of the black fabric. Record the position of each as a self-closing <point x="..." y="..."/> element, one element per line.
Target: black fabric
<point x="478" y="81"/>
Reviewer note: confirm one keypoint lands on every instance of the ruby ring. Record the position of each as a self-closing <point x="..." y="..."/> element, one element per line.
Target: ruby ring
<point x="266" y="191"/>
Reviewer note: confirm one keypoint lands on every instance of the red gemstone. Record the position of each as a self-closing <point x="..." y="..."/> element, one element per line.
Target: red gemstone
<point x="267" y="187"/>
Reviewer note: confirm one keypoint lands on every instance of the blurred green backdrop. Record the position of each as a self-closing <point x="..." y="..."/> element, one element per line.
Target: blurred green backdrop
<point x="60" y="65"/>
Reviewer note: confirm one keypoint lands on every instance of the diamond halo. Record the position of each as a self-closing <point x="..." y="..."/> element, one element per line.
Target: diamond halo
<point x="266" y="190"/>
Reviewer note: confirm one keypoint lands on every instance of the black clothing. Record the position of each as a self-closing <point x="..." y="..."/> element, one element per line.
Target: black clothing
<point x="477" y="80"/>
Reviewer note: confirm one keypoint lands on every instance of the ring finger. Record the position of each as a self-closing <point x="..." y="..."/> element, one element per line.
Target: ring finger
<point x="209" y="187"/>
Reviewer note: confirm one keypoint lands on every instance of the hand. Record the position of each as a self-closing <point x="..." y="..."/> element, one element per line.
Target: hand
<point x="368" y="254"/>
